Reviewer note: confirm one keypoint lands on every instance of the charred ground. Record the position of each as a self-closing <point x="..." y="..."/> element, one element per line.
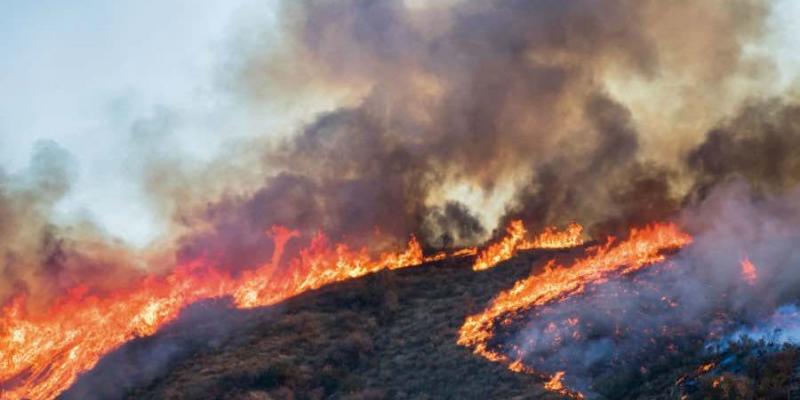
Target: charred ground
<point x="392" y="335"/>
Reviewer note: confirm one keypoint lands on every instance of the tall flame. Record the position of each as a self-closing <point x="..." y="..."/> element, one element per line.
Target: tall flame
<point x="42" y="355"/>
<point x="643" y="247"/>
<point x="514" y="241"/>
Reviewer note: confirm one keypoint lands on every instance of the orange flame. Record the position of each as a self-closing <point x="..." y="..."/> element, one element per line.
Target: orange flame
<point x="42" y="355"/>
<point x="706" y="367"/>
<point x="554" y="384"/>
<point x="514" y="241"/>
<point x="470" y="251"/>
<point x="749" y="271"/>
<point x="643" y="247"/>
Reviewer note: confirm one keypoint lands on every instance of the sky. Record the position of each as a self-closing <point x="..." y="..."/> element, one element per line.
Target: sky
<point x="86" y="74"/>
<point x="93" y="76"/>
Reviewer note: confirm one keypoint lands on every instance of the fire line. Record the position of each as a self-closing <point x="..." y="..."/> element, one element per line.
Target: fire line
<point x="41" y="355"/>
<point x="643" y="247"/>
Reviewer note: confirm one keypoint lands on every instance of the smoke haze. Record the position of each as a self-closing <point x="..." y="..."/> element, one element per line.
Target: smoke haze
<point x="535" y="106"/>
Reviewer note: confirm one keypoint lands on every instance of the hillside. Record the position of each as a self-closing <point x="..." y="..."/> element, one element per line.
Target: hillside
<point x="390" y="335"/>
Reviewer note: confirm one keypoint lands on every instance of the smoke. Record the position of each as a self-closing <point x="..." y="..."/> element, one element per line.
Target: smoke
<point x="546" y="104"/>
<point x="40" y="256"/>
<point x="699" y="296"/>
<point x="783" y="326"/>
<point x="517" y="100"/>
<point x="526" y="95"/>
<point x="757" y="144"/>
<point x="522" y="104"/>
<point x="202" y="327"/>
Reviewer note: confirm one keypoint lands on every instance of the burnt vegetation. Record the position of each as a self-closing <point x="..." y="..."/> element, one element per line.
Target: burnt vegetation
<point x="392" y="335"/>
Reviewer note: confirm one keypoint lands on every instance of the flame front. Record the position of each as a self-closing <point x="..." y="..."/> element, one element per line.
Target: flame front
<point x="514" y="241"/>
<point x="42" y="355"/>
<point x="643" y="247"/>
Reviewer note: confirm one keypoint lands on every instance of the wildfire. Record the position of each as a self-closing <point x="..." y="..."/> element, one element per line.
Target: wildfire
<point x="643" y="247"/>
<point x="42" y="355"/>
<point x="514" y="241"/>
<point x="749" y="271"/>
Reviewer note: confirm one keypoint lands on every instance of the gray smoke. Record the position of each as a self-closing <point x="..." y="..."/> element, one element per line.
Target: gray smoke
<point x="483" y="93"/>
<point x="631" y="324"/>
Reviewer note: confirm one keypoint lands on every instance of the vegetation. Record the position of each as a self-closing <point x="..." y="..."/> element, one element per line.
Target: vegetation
<point x="392" y="335"/>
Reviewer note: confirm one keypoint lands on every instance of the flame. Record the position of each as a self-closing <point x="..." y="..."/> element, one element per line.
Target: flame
<point x="470" y="251"/>
<point x="749" y="271"/>
<point x="42" y="355"/>
<point x="514" y="241"/>
<point x="706" y="367"/>
<point x="552" y="238"/>
<point x="717" y="382"/>
<point x="643" y="247"/>
<point x="554" y="384"/>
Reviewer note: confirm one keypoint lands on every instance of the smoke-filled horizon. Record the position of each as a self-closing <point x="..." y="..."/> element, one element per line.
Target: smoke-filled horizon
<point x="456" y="118"/>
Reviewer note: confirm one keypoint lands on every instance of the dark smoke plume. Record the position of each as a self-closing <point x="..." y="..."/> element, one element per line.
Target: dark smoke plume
<point x="503" y="96"/>
<point x="759" y="144"/>
<point x="514" y="100"/>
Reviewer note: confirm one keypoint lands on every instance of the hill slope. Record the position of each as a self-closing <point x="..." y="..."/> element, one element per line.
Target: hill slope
<point x="390" y="335"/>
<point x="387" y="335"/>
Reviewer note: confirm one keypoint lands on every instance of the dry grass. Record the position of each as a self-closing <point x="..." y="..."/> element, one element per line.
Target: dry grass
<point x="390" y="335"/>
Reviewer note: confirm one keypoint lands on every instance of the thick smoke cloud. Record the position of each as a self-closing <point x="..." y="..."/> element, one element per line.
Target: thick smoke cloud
<point x="509" y="98"/>
<point x="493" y="95"/>
<point x="759" y="144"/>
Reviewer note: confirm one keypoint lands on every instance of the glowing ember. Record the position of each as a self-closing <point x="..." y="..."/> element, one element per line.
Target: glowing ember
<point x="643" y="247"/>
<point x="717" y="382"/>
<point x="706" y="367"/>
<point x="515" y="241"/>
<point x="749" y="271"/>
<point x="42" y="355"/>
